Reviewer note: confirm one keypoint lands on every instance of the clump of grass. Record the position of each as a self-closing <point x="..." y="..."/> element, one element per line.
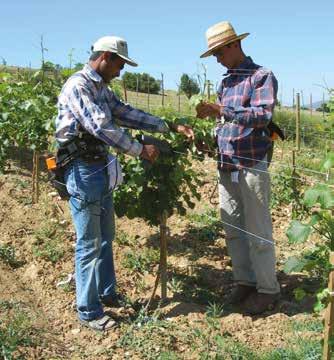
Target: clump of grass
<point x="141" y="261"/>
<point x="7" y="255"/>
<point x="207" y="225"/>
<point x="49" y="242"/>
<point x="123" y="239"/>
<point x="16" y="331"/>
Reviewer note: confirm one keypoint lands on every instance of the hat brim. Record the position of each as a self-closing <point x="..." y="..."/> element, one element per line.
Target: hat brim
<point x="223" y="43"/>
<point x="128" y="60"/>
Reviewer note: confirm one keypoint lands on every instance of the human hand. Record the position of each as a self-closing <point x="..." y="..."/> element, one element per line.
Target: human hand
<point x="205" y="109"/>
<point x="201" y="146"/>
<point x="150" y="153"/>
<point x="185" y="130"/>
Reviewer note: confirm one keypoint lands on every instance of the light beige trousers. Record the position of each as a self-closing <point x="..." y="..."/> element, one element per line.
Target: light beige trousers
<point x="244" y="203"/>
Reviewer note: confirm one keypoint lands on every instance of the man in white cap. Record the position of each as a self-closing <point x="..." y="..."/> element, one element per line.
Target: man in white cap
<point x="89" y="116"/>
<point x="244" y="110"/>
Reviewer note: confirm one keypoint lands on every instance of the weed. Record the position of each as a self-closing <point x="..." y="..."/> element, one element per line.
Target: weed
<point x="214" y="310"/>
<point x="7" y="255"/>
<point x="309" y="325"/>
<point x="207" y="225"/>
<point x="150" y="337"/>
<point x="175" y="286"/>
<point x="141" y="262"/>
<point x="123" y="239"/>
<point x="16" y="331"/>
<point x="48" y="242"/>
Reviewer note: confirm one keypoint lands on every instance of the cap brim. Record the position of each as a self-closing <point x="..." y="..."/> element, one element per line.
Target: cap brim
<point x="128" y="60"/>
<point x="214" y="48"/>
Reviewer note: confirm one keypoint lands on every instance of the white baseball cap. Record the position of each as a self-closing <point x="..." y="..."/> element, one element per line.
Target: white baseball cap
<point x="115" y="45"/>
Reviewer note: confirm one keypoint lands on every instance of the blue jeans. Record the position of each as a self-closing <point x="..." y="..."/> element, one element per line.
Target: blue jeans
<point x="92" y="211"/>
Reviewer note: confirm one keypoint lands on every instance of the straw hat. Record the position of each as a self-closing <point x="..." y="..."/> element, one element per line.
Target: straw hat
<point x="219" y="35"/>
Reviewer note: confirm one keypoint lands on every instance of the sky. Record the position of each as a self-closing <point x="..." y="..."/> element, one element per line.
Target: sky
<point x="295" y="38"/>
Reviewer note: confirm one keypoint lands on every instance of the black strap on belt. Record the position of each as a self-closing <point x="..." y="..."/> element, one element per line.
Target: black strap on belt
<point x="85" y="146"/>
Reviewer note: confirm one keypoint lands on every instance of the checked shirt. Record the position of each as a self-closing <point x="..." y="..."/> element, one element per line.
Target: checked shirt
<point x="247" y="96"/>
<point x="86" y="101"/>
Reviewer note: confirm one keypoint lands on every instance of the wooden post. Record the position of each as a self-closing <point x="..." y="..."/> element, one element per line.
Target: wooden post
<point x="298" y="122"/>
<point x="148" y="94"/>
<point x="163" y="255"/>
<point x="329" y="316"/>
<point x="35" y="178"/>
<point x="293" y="162"/>
<point x="137" y="90"/>
<point x="125" y="92"/>
<point x="293" y="98"/>
<point x="311" y="104"/>
<point x="162" y="90"/>
<point x="208" y="89"/>
<point x="179" y="102"/>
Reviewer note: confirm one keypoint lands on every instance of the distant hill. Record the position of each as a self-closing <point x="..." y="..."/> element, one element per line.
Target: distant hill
<point x="315" y="105"/>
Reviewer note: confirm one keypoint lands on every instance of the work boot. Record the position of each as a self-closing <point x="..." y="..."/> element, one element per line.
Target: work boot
<point x="258" y="303"/>
<point x="240" y="293"/>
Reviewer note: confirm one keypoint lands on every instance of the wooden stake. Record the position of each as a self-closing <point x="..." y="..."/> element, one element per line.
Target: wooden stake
<point x="163" y="255"/>
<point x="208" y="89"/>
<point x="298" y="122"/>
<point x="179" y="101"/>
<point x="162" y="90"/>
<point x="329" y="317"/>
<point x="33" y="177"/>
<point x="37" y="177"/>
<point x="125" y="92"/>
<point x="137" y="90"/>
<point x="148" y="94"/>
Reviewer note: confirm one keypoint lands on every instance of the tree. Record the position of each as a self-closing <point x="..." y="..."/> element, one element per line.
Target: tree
<point x="144" y="81"/>
<point x="189" y="86"/>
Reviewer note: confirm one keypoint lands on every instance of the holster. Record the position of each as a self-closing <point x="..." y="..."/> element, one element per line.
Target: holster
<point x="85" y="147"/>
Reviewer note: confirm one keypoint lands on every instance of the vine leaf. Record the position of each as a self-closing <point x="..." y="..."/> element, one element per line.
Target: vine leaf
<point x="298" y="232"/>
<point x="294" y="264"/>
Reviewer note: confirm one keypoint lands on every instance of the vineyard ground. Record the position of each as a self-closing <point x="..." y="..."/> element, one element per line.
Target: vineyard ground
<point x="193" y="325"/>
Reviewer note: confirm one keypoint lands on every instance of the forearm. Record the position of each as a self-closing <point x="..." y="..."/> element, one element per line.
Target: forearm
<point x="253" y="116"/>
<point x="132" y="118"/>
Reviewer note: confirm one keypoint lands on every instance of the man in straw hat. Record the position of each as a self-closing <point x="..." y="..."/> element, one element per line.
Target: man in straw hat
<point x="244" y="109"/>
<point x="89" y="119"/>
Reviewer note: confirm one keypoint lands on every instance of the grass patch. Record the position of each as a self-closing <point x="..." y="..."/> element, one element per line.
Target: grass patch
<point x="49" y="242"/>
<point x="7" y="255"/>
<point x="141" y="261"/>
<point x="16" y="331"/>
<point x="123" y="239"/>
<point x="207" y="225"/>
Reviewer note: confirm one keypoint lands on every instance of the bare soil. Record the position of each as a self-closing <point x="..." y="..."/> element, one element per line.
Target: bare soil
<point x="200" y="263"/>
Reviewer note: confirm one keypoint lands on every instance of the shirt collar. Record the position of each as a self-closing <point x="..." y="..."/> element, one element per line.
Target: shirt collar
<point x="243" y="68"/>
<point x="90" y="72"/>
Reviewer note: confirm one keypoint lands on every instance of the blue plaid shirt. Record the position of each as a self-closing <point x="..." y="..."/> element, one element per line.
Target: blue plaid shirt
<point x="247" y="96"/>
<point x="87" y="101"/>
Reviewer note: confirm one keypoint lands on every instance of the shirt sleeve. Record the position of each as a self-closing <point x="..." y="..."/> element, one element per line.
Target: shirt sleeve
<point x="130" y="117"/>
<point x="262" y="102"/>
<point x="92" y="117"/>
